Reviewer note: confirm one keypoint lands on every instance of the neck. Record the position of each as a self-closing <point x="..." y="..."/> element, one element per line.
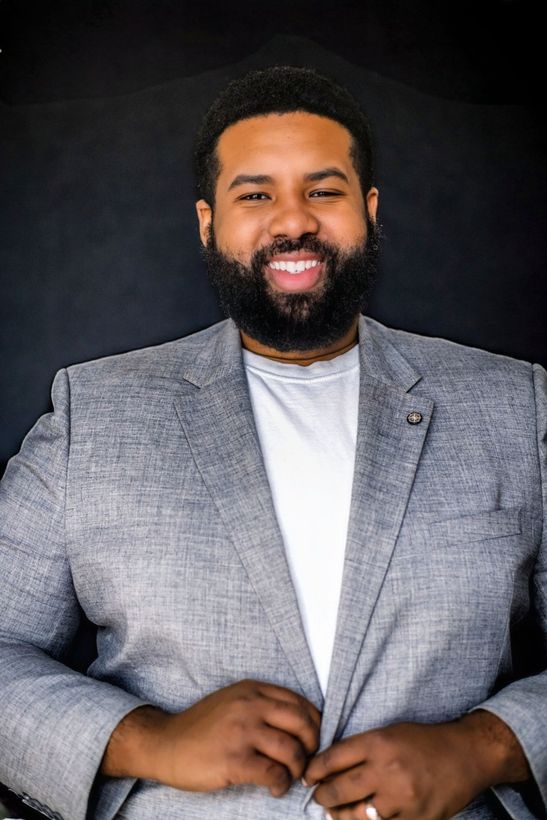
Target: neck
<point x="304" y="357"/>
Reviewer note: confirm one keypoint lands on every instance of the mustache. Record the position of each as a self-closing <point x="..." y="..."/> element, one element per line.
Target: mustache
<point x="286" y="245"/>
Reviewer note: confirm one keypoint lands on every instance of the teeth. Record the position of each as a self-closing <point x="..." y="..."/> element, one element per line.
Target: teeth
<point x="295" y="267"/>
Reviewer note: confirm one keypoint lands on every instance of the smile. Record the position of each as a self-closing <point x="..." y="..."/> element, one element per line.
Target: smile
<point x="291" y="275"/>
<point x="295" y="267"/>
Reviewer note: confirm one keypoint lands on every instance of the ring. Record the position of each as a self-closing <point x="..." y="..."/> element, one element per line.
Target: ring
<point x="372" y="812"/>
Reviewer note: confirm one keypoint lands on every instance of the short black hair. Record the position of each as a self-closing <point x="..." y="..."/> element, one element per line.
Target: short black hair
<point x="280" y="90"/>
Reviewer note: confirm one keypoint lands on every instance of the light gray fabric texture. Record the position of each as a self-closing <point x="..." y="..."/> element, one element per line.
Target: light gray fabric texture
<point x="143" y="501"/>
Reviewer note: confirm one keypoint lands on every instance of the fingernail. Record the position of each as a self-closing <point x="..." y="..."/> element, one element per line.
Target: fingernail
<point x="305" y="784"/>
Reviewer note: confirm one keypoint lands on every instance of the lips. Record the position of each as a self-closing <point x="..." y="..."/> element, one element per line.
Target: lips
<point x="295" y="272"/>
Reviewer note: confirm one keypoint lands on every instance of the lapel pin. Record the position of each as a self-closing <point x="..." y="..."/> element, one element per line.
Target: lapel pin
<point x="414" y="417"/>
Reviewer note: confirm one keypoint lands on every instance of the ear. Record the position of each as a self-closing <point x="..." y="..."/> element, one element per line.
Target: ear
<point x="205" y="217"/>
<point x="372" y="203"/>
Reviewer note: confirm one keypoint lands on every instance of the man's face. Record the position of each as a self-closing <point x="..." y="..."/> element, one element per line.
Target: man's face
<point x="286" y="243"/>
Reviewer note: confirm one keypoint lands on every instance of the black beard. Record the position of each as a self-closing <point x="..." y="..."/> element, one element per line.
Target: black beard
<point x="295" y="321"/>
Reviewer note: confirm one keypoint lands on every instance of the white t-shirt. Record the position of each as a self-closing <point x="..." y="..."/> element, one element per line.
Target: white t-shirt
<point x="306" y="418"/>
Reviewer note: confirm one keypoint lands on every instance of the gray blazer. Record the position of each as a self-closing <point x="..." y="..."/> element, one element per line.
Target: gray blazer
<point x="143" y="501"/>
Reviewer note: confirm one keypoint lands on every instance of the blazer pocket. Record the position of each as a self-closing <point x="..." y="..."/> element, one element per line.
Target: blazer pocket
<point x="479" y="526"/>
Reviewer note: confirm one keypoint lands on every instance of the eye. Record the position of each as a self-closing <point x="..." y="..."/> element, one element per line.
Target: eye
<point x="322" y="193"/>
<point x="254" y="197"/>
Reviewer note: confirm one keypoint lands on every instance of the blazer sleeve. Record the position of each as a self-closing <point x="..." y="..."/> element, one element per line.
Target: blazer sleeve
<point x="522" y="705"/>
<point x="56" y="722"/>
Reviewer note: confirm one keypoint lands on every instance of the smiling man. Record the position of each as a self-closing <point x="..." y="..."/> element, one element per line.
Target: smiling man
<point x="287" y="249"/>
<point x="309" y="542"/>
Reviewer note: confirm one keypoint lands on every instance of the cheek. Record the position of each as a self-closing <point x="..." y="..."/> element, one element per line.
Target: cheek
<point x="349" y="227"/>
<point x="236" y="236"/>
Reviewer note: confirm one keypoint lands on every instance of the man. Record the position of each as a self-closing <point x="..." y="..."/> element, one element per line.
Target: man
<point x="308" y="541"/>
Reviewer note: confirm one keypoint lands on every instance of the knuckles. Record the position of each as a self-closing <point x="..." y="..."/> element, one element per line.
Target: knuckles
<point x="239" y="727"/>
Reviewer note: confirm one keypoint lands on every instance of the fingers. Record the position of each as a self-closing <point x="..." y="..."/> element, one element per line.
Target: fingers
<point x="385" y="808"/>
<point x="268" y="733"/>
<point x="355" y="811"/>
<point x="283" y="748"/>
<point x="347" y="796"/>
<point x="294" y="719"/>
<point x="341" y="756"/>
<point x="280" y="693"/>
<point x="263" y="771"/>
<point x="358" y="811"/>
<point x="348" y="787"/>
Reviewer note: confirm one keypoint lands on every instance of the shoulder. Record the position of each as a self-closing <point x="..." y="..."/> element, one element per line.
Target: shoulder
<point x="166" y="362"/>
<point x="437" y="358"/>
<point x="455" y="374"/>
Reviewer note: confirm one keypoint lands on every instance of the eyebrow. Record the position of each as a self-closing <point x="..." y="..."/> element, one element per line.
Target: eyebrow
<point x="265" y="179"/>
<point x="250" y="179"/>
<point x="317" y="176"/>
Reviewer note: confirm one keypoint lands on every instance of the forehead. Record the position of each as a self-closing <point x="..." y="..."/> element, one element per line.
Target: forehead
<point x="286" y="140"/>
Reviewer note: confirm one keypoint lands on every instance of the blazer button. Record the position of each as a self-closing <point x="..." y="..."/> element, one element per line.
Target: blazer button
<point x="414" y="417"/>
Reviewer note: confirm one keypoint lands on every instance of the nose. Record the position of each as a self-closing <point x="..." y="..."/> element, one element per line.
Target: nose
<point x="293" y="218"/>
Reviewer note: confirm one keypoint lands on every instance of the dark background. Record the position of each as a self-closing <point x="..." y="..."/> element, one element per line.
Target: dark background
<point x="99" y="101"/>
<point x="99" y="250"/>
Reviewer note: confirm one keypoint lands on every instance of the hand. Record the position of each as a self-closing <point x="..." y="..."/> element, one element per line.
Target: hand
<point x="249" y="732"/>
<point x="416" y="771"/>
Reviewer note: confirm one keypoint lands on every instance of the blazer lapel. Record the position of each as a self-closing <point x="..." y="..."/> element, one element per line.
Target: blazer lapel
<point x="218" y="421"/>
<point x="387" y="454"/>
